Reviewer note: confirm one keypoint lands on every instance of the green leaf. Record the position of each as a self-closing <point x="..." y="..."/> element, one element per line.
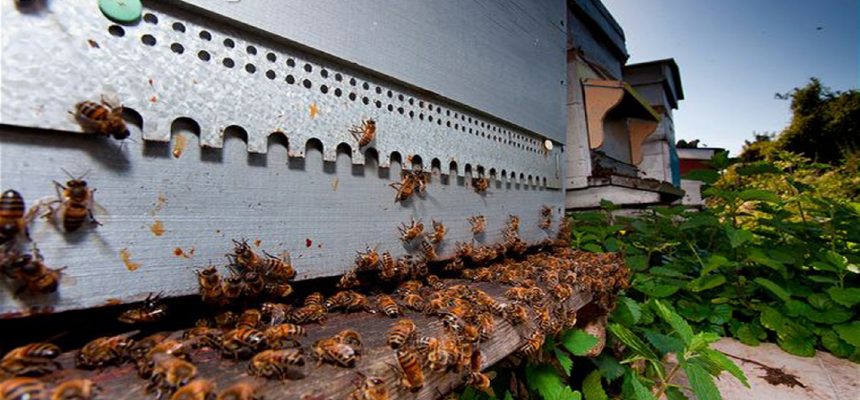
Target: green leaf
<point x="777" y="290"/>
<point x="628" y="312"/>
<point x="701" y="382"/>
<point x="637" y="262"/>
<point x="748" y="334"/>
<point x="701" y="341"/>
<point x="569" y="394"/>
<point x="664" y="343"/>
<point x="667" y="272"/>
<point x="771" y="319"/>
<point x="609" y="367"/>
<point x="758" y="195"/>
<point x="692" y="311"/>
<point x="632" y="341"/>
<point x="639" y="390"/>
<point x="720" y="314"/>
<point x="657" y="288"/>
<point x="674" y="393"/>
<point x="678" y="324"/>
<point x="703" y="283"/>
<point x="508" y="395"/>
<point x="759" y="257"/>
<point x="563" y="360"/>
<point x="837" y="260"/>
<point x="593" y="248"/>
<point x="713" y="262"/>
<point x="545" y="380"/>
<point x="469" y="394"/>
<point x="578" y="342"/>
<point x="756" y="168"/>
<point x="834" y="344"/>
<point x="845" y="296"/>
<point x="820" y="301"/>
<point x="720" y="359"/>
<point x="833" y="314"/>
<point x="704" y="175"/>
<point x="737" y="237"/>
<point x="849" y="332"/>
<point x="803" y="346"/>
<point x="592" y="389"/>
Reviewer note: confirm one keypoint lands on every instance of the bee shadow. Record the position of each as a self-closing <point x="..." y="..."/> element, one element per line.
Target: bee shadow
<point x="107" y="152"/>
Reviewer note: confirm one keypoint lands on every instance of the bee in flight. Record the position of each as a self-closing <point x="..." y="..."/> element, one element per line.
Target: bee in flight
<point x="101" y="118"/>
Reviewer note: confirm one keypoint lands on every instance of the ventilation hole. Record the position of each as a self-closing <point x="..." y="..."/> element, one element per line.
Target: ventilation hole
<point x="290" y="79"/>
<point x="179" y="27"/>
<point x="338" y="77"/>
<point x="205" y="35"/>
<point x="308" y="68"/>
<point x="448" y="113"/>
<point x="390" y="94"/>
<point x="448" y="123"/>
<point x="378" y="104"/>
<point x="324" y="73"/>
<point x="271" y="57"/>
<point x="366" y="86"/>
<point x="307" y="83"/>
<point x="229" y="43"/>
<point x="251" y="50"/>
<point x="411" y="101"/>
<point x="400" y="110"/>
<point x="203" y="55"/>
<point x="324" y="89"/>
<point x="365" y="100"/>
<point x="390" y="108"/>
<point x="270" y="74"/>
<point x="429" y="107"/>
<point x="116" y="30"/>
<point x="250" y="68"/>
<point x="421" y="104"/>
<point x="337" y="92"/>
<point x="400" y="97"/>
<point x="151" y="18"/>
<point x="352" y="81"/>
<point x="439" y="122"/>
<point x="456" y="126"/>
<point x="148" y="40"/>
<point x="378" y="90"/>
<point x="352" y="96"/>
<point x="411" y="114"/>
<point x="421" y="116"/>
<point x="430" y="118"/>
<point x="177" y="48"/>
<point x="228" y="62"/>
<point x="291" y="63"/>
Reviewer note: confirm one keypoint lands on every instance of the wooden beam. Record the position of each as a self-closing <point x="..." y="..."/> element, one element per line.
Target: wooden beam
<point x="327" y="381"/>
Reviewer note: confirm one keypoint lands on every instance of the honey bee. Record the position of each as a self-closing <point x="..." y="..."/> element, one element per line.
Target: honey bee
<point x="203" y="336"/>
<point x="226" y="320"/>
<point x="23" y="389"/>
<point x="170" y="373"/>
<point x="427" y="251"/>
<point x="562" y="292"/>
<point x="442" y="355"/>
<point x="533" y="343"/>
<point x="250" y="319"/>
<point x="400" y="333"/>
<point x="480" y="382"/>
<point x="243" y="256"/>
<point x="309" y="313"/>
<point x="104" y="351"/>
<point x="314" y="299"/>
<point x="410" y="373"/>
<point x="453" y="322"/>
<point x="388" y="267"/>
<point x="514" y="223"/>
<point x="198" y="389"/>
<point x="210" y="284"/>
<point x="242" y="342"/>
<point x="410" y="286"/>
<point x="364" y="133"/>
<point x="516" y="314"/>
<point x="252" y="284"/>
<point x="276" y="364"/>
<point x="349" y="280"/>
<point x="77" y="201"/>
<point x="277" y="267"/>
<point x="464" y="250"/>
<point x="434" y="282"/>
<point x="481" y="184"/>
<point x="278" y="290"/>
<point x="411" y="231"/>
<point x="350" y="338"/>
<point x="13" y="221"/>
<point x="150" y="311"/>
<point x="31" y="359"/>
<point x="231" y="289"/>
<point x="408" y="185"/>
<point x="369" y="388"/>
<point x="36" y="277"/>
<point x="546" y="217"/>
<point x="518" y="294"/>
<point x="387" y="305"/>
<point x="276" y="313"/>
<point x="479" y="223"/>
<point x="75" y="389"/>
<point x="414" y="302"/>
<point x="284" y="335"/>
<point x="170" y="347"/>
<point x="438" y="232"/>
<point x="486" y="327"/>
<point x="239" y="391"/>
<point x="141" y="347"/>
<point x="454" y="265"/>
<point x="544" y="319"/>
<point x="101" y="118"/>
<point x="367" y="260"/>
<point x="333" y="351"/>
<point x="416" y="267"/>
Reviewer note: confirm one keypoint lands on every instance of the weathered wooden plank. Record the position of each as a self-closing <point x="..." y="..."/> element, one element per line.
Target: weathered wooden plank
<point x="327" y="381"/>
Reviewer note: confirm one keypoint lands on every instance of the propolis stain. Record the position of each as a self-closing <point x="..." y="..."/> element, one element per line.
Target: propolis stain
<point x="125" y="256"/>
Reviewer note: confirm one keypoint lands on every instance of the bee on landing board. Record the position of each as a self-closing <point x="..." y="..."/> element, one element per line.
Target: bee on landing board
<point x="23" y="388"/>
<point x="479" y="224"/>
<point x="388" y="306"/>
<point x="210" y="285"/>
<point x="13" y="217"/>
<point x="169" y="374"/>
<point x="31" y="359"/>
<point x="35" y="276"/>
<point x="284" y="335"/>
<point x="412" y="182"/>
<point x="241" y="342"/>
<point x="101" y="118"/>
<point x="75" y="389"/>
<point x="402" y="331"/>
<point x="408" y="370"/>
<point x="275" y="364"/>
<point x="104" y="351"/>
<point x="369" y="388"/>
<point x="367" y="260"/>
<point x="198" y="389"/>
<point x="334" y="351"/>
<point x="411" y="231"/>
<point x="151" y="310"/>
<point x="481" y="184"/>
<point x="480" y="381"/>
<point x="364" y="133"/>
<point x="239" y="391"/>
<point x="438" y="232"/>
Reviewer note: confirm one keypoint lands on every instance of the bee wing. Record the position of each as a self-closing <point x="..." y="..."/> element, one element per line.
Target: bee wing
<point x="111" y="98"/>
<point x="98" y="208"/>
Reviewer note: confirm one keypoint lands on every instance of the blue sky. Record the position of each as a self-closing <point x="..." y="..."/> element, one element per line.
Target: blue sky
<point x="734" y="55"/>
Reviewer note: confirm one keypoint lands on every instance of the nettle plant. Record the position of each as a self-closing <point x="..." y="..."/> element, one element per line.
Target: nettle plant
<point x="774" y="256"/>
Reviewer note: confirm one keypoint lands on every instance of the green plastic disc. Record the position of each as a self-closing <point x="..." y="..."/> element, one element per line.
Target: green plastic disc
<point x="121" y="11"/>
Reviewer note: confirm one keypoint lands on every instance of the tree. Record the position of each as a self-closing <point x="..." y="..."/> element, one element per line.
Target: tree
<point x="825" y="124"/>
<point x="760" y="148"/>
